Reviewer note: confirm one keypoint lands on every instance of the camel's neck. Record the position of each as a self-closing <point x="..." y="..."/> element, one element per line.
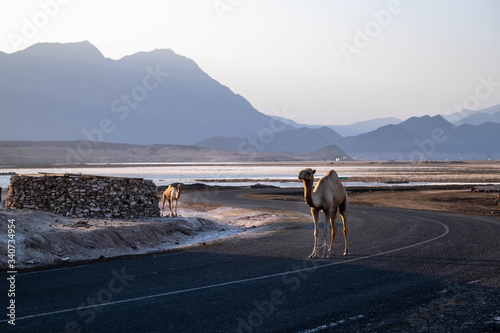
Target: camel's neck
<point x="308" y="193"/>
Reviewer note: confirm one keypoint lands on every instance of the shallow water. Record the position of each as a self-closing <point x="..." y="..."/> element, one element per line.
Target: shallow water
<point x="215" y="174"/>
<point x="229" y="174"/>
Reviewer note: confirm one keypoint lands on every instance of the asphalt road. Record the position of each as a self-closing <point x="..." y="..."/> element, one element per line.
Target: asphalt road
<point x="409" y="271"/>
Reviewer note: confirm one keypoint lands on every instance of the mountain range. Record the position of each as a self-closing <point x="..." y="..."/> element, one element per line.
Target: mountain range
<point x="427" y="138"/>
<point x="490" y="114"/>
<point x="357" y="128"/>
<point x="417" y="138"/>
<point x="53" y="91"/>
<point x="70" y="92"/>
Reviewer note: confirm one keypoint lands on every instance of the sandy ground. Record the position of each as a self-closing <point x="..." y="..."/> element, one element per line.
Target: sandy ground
<point x="45" y="239"/>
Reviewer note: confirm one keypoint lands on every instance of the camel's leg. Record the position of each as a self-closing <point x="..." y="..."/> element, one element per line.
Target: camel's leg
<point x="175" y="207"/>
<point x="334" y="229"/>
<point x="170" y="206"/>
<point x="344" y="221"/>
<point x="162" y="204"/>
<point x="328" y="216"/>
<point x="343" y="215"/>
<point x="315" y="213"/>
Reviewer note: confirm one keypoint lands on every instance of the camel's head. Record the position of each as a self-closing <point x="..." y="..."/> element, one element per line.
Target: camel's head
<point x="307" y="174"/>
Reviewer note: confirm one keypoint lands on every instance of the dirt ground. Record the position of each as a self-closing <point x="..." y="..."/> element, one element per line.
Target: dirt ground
<point x="462" y="201"/>
<point x="457" y="201"/>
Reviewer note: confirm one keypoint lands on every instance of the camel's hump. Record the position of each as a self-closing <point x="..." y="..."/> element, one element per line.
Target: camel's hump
<point x="333" y="174"/>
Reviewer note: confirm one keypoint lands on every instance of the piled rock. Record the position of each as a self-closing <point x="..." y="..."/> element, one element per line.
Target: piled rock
<point x="84" y="196"/>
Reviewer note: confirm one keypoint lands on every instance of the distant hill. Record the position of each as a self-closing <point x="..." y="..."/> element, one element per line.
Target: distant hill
<point x="364" y="126"/>
<point x="482" y="140"/>
<point x="389" y="138"/>
<point x="299" y="141"/>
<point x="426" y="138"/>
<point x="457" y="116"/>
<point x="357" y="128"/>
<point x="61" y="92"/>
<point x="490" y="114"/>
<point x="38" y="153"/>
<point x="417" y="138"/>
<point x="328" y="153"/>
<point x="424" y="126"/>
<point x="480" y="118"/>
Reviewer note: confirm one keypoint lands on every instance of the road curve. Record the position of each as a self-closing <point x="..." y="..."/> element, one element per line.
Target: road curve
<point x="408" y="271"/>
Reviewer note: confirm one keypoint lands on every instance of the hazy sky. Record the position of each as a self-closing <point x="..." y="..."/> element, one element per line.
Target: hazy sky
<point x="314" y="61"/>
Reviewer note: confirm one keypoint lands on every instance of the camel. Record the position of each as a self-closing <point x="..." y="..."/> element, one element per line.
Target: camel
<point x="171" y="193"/>
<point x="328" y="196"/>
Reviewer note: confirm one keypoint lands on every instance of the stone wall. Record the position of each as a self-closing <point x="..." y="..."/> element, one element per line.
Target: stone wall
<point x="77" y="195"/>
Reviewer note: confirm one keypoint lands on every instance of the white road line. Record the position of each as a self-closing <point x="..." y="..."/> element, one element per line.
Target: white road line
<point x="333" y="324"/>
<point x="447" y="230"/>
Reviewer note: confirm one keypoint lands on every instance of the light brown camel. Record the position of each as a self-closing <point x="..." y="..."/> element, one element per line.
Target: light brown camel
<point x="172" y="193"/>
<point x="328" y="196"/>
